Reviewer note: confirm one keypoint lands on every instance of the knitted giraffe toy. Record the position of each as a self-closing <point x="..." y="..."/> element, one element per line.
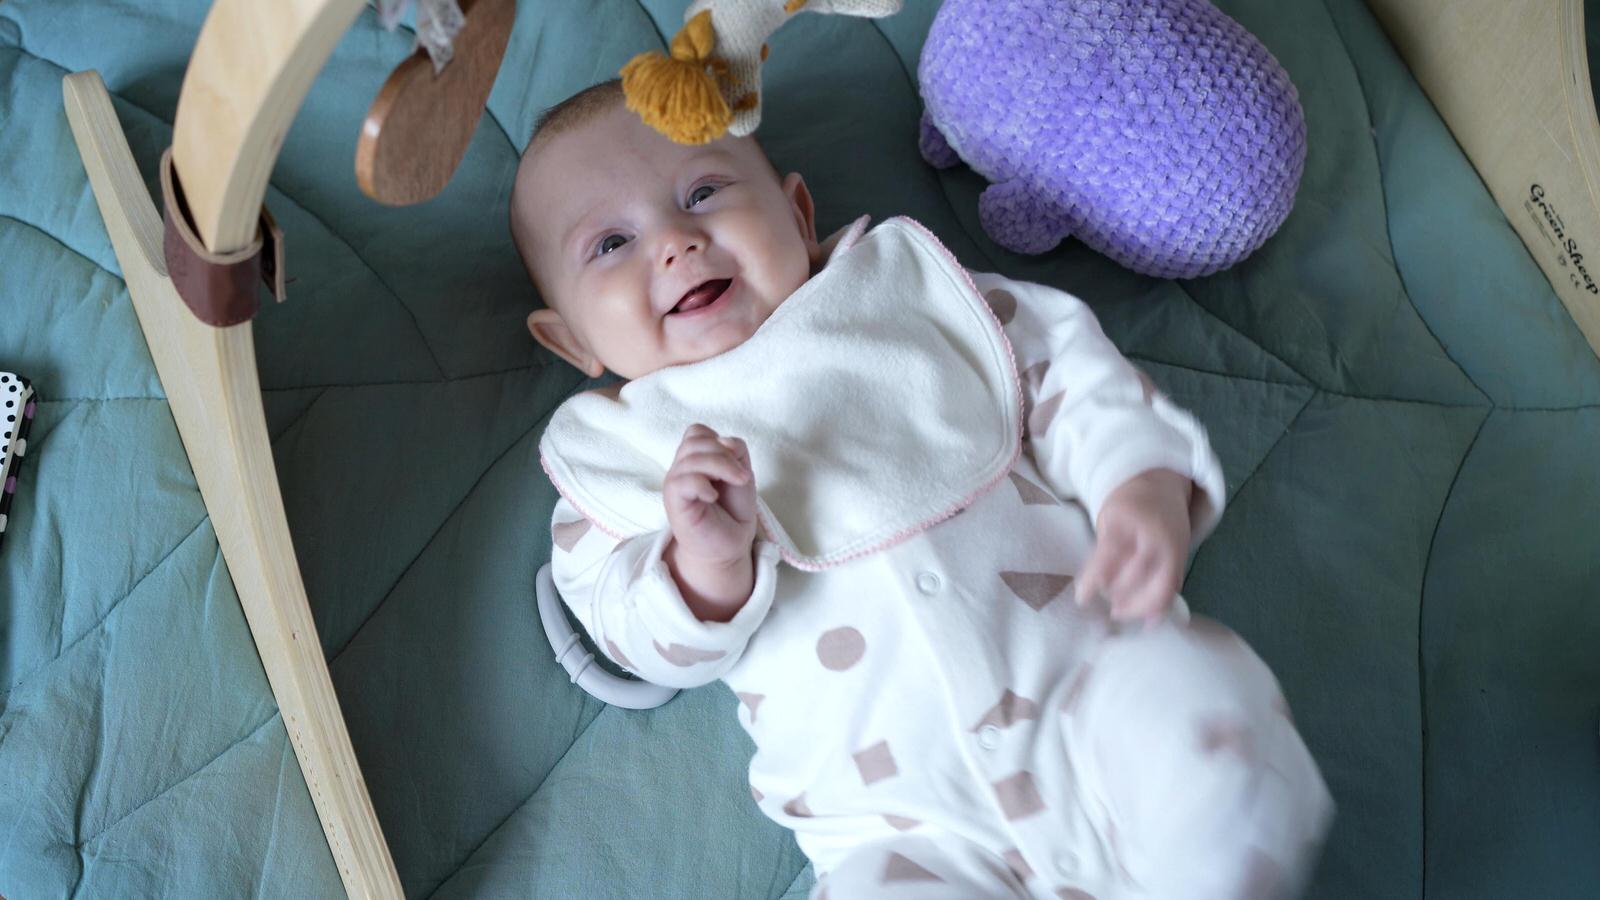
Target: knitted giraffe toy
<point x="711" y="83"/>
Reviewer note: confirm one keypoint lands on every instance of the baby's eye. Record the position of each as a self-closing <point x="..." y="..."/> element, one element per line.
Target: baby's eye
<point x="701" y="193"/>
<point x="609" y="243"/>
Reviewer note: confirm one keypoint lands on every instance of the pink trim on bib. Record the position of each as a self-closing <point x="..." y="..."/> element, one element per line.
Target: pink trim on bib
<point x="850" y="238"/>
<point x="1016" y="384"/>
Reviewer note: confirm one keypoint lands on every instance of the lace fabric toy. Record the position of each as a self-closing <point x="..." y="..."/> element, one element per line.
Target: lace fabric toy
<point x="438" y="23"/>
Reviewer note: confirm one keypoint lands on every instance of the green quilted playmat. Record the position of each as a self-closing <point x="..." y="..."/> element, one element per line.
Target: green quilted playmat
<point x="1408" y="419"/>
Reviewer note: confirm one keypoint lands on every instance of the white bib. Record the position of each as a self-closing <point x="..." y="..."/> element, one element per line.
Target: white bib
<point x="878" y="399"/>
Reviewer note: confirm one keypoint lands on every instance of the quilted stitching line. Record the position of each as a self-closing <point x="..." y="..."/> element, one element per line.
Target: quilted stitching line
<point x="81" y="844"/>
<point x="1422" y="672"/>
<point x="1546" y="409"/>
<point x="334" y="656"/>
<point x="1139" y="357"/>
<point x="10" y="36"/>
<point x="1248" y="338"/>
<point x="44" y="426"/>
<point x="1438" y="404"/>
<point x="504" y="132"/>
<point x="796" y="879"/>
<point x="393" y="294"/>
<point x="454" y="379"/>
<point x="100" y="623"/>
<point x="525" y="801"/>
<point x="1370" y="398"/>
<point x="64" y="245"/>
<point x="1268" y="455"/>
<point x="282" y="433"/>
<point x="651" y="18"/>
<point x="1388" y="231"/>
<point x="877" y="25"/>
<point x="284" y="757"/>
<point x="80" y="807"/>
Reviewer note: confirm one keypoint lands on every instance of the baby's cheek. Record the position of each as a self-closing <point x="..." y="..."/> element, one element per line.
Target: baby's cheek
<point x="792" y="267"/>
<point x="632" y="348"/>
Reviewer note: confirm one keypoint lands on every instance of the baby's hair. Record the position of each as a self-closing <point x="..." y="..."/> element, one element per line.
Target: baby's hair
<point x="564" y="116"/>
<point x="576" y="110"/>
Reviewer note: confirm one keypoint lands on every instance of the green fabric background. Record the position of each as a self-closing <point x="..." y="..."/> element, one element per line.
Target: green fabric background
<point x="1408" y="419"/>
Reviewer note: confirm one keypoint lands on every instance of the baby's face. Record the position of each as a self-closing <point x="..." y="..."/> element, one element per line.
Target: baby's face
<point x="652" y="254"/>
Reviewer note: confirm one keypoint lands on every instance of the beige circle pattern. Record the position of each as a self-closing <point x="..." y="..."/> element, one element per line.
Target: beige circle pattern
<point x="840" y="648"/>
<point x="1003" y="303"/>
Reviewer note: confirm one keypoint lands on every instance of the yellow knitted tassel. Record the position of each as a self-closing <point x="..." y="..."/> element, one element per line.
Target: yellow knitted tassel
<point x="678" y="96"/>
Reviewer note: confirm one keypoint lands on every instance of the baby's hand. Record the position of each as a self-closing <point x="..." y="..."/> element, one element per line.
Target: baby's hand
<point x="710" y="495"/>
<point x="1142" y="539"/>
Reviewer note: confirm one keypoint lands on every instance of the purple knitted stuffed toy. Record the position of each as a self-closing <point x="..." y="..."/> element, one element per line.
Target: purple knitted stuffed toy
<point x="1158" y="132"/>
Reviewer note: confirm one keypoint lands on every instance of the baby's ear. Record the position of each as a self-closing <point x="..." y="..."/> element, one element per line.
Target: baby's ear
<point x="805" y="212"/>
<point x="549" y="329"/>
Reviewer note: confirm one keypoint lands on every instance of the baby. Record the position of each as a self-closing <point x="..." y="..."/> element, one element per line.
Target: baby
<point x="974" y="676"/>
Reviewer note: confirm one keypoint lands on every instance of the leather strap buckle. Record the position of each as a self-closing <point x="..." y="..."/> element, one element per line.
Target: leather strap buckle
<point x="219" y="288"/>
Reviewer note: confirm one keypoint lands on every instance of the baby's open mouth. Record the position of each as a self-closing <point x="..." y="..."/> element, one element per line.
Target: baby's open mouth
<point x="703" y="294"/>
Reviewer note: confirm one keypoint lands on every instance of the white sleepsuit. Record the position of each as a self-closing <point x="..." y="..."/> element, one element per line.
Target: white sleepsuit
<point x="937" y="719"/>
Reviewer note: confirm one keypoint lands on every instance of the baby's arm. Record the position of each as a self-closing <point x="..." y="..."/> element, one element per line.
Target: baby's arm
<point x="627" y="600"/>
<point x="710" y="497"/>
<point x="1100" y="433"/>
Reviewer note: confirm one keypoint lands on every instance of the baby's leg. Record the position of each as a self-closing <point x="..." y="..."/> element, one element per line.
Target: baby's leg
<point x="1191" y="766"/>
<point x="919" y="867"/>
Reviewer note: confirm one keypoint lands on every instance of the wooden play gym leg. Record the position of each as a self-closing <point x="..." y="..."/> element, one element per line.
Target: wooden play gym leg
<point x="1511" y="80"/>
<point x="252" y="66"/>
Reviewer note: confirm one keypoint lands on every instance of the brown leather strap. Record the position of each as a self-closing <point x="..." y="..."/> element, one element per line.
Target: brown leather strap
<point x="219" y="288"/>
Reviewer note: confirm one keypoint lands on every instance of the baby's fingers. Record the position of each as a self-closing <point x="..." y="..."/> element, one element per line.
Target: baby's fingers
<point x="687" y="488"/>
<point x="1144" y="589"/>
<point x="719" y="465"/>
<point x="737" y="447"/>
<point x="699" y="445"/>
<point x="1109" y="552"/>
<point x="1141" y="602"/>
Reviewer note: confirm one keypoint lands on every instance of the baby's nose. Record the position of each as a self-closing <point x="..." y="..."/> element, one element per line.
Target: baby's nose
<point x="675" y="247"/>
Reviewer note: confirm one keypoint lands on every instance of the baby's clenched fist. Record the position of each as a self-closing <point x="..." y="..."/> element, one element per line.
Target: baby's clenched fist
<point x="710" y="496"/>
